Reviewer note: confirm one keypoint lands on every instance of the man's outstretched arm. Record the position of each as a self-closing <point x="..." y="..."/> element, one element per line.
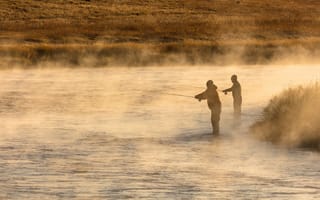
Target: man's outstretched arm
<point x="227" y="90"/>
<point x="201" y="96"/>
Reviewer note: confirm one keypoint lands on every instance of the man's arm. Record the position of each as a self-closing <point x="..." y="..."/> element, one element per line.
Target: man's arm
<point x="201" y="96"/>
<point x="227" y="90"/>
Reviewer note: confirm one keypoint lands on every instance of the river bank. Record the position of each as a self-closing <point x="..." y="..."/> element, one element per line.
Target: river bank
<point x="154" y="33"/>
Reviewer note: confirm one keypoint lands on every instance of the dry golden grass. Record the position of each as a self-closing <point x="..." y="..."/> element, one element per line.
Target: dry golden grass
<point x="160" y="26"/>
<point x="292" y="119"/>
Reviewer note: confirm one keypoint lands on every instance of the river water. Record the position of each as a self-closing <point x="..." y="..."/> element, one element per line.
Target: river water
<point x="117" y="133"/>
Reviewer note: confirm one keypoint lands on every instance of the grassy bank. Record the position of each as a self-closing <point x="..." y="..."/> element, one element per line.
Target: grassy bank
<point x="128" y="32"/>
<point x="134" y="54"/>
<point x="292" y="118"/>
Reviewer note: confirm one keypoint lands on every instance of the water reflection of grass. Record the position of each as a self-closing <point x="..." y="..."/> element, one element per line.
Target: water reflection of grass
<point x="292" y="118"/>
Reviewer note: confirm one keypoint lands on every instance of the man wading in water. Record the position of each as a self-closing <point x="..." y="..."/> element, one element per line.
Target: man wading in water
<point x="236" y="94"/>
<point x="214" y="104"/>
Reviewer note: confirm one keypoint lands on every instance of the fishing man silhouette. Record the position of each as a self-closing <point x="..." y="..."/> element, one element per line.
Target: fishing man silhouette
<point x="236" y="94"/>
<point x="214" y="104"/>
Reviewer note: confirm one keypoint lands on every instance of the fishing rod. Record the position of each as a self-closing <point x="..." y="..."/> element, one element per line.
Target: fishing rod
<point x="180" y="95"/>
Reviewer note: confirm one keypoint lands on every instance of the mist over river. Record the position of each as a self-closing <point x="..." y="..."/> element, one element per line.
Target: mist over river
<point x="117" y="133"/>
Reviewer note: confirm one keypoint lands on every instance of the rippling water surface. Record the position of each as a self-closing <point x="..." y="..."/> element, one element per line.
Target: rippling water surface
<point x="119" y="133"/>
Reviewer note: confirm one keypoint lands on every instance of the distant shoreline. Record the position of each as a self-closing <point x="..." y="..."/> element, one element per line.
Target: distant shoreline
<point x="138" y="33"/>
<point x="29" y="55"/>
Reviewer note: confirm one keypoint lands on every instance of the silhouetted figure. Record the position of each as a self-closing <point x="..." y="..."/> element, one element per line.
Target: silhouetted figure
<point x="237" y="97"/>
<point x="214" y="104"/>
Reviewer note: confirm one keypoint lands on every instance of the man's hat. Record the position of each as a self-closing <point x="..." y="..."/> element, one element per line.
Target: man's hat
<point x="209" y="82"/>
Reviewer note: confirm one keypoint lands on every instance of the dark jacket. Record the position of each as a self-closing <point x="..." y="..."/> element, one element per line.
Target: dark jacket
<point x="212" y="97"/>
<point x="236" y="91"/>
